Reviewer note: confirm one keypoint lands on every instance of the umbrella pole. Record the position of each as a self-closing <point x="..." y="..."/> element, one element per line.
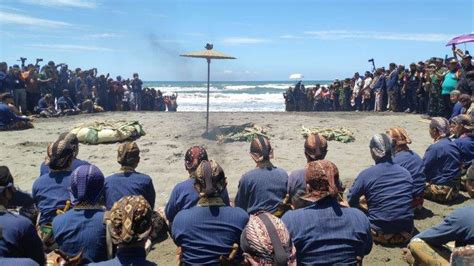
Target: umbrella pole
<point x="208" y="84"/>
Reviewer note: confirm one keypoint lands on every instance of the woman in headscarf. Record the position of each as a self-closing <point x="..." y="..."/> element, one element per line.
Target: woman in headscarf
<point x="388" y="190"/>
<point x="265" y="187"/>
<point x="315" y="148"/>
<point x="82" y="228"/>
<point x="51" y="190"/>
<point x="184" y="195"/>
<point x="72" y="138"/>
<point x="411" y="161"/>
<point x="128" y="181"/>
<point x="442" y="163"/>
<point x="266" y="241"/>
<point x="130" y="226"/>
<point x="313" y="229"/>
<point x="209" y="232"/>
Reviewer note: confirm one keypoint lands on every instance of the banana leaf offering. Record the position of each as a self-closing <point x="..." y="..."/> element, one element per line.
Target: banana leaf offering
<point x="343" y="135"/>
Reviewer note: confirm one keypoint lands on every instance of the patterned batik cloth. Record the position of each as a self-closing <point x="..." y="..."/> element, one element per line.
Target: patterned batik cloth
<point x="315" y="146"/>
<point x="131" y="220"/>
<point x="61" y="152"/>
<point x="194" y="156"/>
<point x="440" y="193"/>
<point x="323" y="179"/>
<point x="390" y="239"/>
<point x="128" y="153"/>
<point x="257" y="243"/>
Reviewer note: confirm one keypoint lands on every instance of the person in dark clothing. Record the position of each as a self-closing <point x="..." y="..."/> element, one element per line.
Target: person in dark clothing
<point x="66" y="105"/>
<point x="411" y="87"/>
<point x="210" y="230"/>
<point x="388" y="191"/>
<point x="315" y="228"/>
<point x="184" y="195"/>
<point x="10" y="120"/>
<point x="442" y="163"/>
<point x="457" y="226"/>
<point x="137" y="92"/>
<point x="18" y="238"/>
<point x="130" y="227"/>
<point x="102" y="91"/>
<point x="315" y="148"/>
<point x="265" y="187"/>
<point x="463" y="131"/>
<point x="128" y="181"/>
<point x="82" y="228"/>
<point x="160" y="102"/>
<point x="411" y="161"/>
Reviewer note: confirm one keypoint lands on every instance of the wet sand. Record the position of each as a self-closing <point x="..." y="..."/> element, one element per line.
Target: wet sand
<point x="170" y="134"/>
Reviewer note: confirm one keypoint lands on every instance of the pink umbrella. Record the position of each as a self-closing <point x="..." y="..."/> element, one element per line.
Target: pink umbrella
<point x="461" y="39"/>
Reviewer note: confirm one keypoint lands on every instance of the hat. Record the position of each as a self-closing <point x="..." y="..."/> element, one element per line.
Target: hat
<point x="261" y="149"/>
<point x="87" y="183"/>
<point x="194" y="156"/>
<point x="61" y="152"/>
<point x="128" y="154"/>
<point x="399" y="136"/>
<point x="265" y="240"/>
<point x="315" y="146"/>
<point x="431" y="65"/>
<point x="210" y="179"/>
<point x="6" y="179"/>
<point x="322" y="180"/>
<point x="453" y="61"/>
<point x="464" y="120"/>
<point x="130" y="220"/>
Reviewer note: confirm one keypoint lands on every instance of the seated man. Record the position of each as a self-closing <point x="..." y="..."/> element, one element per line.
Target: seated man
<point x="463" y="131"/>
<point x="388" y="190"/>
<point x="46" y="106"/>
<point x="209" y="230"/>
<point x="51" y="190"/>
<point x="442" y="163"/>
<point x="18" y="236"/>
<point x="128" y="182"/>
<point x="411" y="161"/>
<point x="315" y="148"/>
<point x="184" y="195"/>
<point x="427" y="247"/>
<point x="82" y="228"/>
<point x="8" y="119"/>
<point x="66" y="105"/>
<point x="265" y="187"/>
<point x="266" y="241"/>
<point x="457" y="108"/>
<point x="72" y="138"/>
<point x="326" y="232"/>
<point x="131" y="224"/>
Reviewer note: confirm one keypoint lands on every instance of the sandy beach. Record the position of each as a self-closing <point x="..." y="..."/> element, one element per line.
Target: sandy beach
<point x="170" y="134"/>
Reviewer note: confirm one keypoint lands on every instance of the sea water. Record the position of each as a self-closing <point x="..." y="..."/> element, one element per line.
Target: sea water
<point x="241" y="96"/>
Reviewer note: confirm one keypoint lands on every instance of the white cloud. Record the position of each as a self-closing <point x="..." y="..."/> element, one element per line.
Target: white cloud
<point x="70" y="48"/>
<point x="63" y="3"/>
<point x="106" y="35"/>
<point x="19" y="19"/>
<point x="243" y="40"/>
<point x="289" y="36"/>
<point x="344" y="34"/>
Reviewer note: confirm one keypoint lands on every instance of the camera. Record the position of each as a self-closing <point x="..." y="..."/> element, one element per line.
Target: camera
<point x="39" y="60"/>
<point x="371" y="60"/>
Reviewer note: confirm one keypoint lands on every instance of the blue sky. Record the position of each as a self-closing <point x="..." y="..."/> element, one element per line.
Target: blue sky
<point x="271" y="39"/>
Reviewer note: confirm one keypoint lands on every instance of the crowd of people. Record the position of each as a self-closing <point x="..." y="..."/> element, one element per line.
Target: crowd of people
<point x="54" y="89"/>
<point x="304" y="218"/>
<point x="423" y="88"/>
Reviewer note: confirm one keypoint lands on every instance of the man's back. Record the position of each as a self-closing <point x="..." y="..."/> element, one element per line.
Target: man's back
<point x="262" y="190"/>
<point x="19" y="238"/>
<point x="206" y="233"/>
<point x="123" y="184"/>
<point x="50" y="192"/>
<point x="327" y="233"/>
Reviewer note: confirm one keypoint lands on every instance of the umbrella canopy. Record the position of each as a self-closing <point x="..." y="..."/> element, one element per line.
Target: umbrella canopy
<point x="208" y="54"/>
<point x="296" y="76"/>
<point x="461" y="39"/>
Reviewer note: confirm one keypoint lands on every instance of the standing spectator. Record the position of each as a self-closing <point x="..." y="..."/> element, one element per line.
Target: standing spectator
<point x="356" y="91"/>
<point x="367" y="91"/>
<point x="137" y="92"/>
<point x="378" y="89"/>
<point x="412" y="85"/>
<point x="33" y="95"/>
<point x="3" y="77"/>
<point x="17" y="86"/>
<point x="449" y="84"/>
<point x="434" y="92"/>
<point x="392" y="87"/>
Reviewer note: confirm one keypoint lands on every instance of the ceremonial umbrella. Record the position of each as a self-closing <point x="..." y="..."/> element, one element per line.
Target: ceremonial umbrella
<point x="208" y="54"/>
<point x="461" y="39"/>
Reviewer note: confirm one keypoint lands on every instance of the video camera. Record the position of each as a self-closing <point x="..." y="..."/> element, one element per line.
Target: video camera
<point x="39" y="60"/>
<point x="371" y="60"/>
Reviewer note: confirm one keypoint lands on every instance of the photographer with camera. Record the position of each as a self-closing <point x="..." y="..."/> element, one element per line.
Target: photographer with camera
<point x="30" y="77"/>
